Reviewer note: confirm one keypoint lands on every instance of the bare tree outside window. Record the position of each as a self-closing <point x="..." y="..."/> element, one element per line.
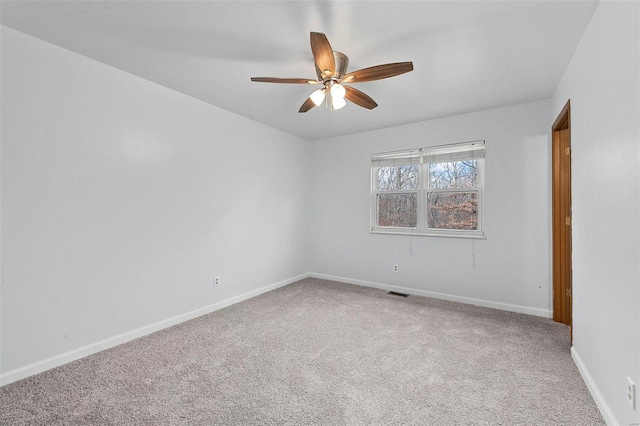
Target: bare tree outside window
<point x="453" y="174"/>
<point x="453" y="210"/>
<point x="398" y="178"/>
<point x="398" y="209"/>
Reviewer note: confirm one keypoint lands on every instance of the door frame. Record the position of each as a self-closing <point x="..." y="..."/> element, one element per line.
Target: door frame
<point x="562" y="220"/>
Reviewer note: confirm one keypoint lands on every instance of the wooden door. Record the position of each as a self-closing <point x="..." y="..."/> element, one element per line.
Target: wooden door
<point x="562" y="220"/>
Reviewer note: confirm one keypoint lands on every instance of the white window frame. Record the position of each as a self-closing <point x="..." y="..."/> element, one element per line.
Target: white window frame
<point x="424" y="154"/>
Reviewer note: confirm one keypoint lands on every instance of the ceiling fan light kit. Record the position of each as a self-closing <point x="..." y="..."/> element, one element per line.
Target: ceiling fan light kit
<point x="331" y="69"/>
<point x="318" y="96"/>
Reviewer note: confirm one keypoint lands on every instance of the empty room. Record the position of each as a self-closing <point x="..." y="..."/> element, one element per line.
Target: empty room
<point x="319" y="212"/>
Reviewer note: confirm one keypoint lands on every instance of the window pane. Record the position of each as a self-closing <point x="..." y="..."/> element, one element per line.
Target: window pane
<point x="398" y="178"/>
<point x="398" y="210"/>
<point x="454" y="174"/>
<point x="457" y="210"/>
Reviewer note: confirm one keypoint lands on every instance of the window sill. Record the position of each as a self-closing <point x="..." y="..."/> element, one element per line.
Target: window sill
<point x="477" y="236"/>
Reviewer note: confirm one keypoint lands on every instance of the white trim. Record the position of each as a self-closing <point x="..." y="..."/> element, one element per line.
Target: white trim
<point x="411" y="231"/>
<point x="607" y="415"/>
<point x="468" y="300"/>
<point x="55" y="361"/>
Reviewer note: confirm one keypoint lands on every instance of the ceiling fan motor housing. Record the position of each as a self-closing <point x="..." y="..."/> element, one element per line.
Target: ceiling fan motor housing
<point x="342" y="62"/>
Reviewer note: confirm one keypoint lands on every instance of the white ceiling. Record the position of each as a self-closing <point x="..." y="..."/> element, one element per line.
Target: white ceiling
<point x="468" y="56"/>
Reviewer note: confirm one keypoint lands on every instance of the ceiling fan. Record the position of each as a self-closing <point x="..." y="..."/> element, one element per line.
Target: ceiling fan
<point x="331" y="68"/>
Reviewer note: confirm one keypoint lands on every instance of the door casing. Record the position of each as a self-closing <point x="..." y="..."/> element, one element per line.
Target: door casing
<point x="561" y="217"/>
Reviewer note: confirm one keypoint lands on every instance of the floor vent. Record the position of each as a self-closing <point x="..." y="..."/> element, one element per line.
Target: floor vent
<point x="395" y="293"/>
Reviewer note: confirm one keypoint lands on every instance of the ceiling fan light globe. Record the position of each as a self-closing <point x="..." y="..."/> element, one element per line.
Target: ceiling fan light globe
<point x="317" y="97"/>
<point x="337" y="102"/>
<point x="338" y="91"/>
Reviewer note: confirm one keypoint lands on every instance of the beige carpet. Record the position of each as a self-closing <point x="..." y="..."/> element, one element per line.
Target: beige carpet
<point x="322" y="353"/>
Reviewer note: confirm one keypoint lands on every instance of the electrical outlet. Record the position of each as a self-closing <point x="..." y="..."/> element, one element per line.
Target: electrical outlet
<point x="395" y="268"/>
<point x="631" y="393"/>
<point x="216" y="281"/>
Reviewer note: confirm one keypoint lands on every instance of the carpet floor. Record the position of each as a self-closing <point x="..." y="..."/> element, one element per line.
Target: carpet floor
<point x="321" y="353"/>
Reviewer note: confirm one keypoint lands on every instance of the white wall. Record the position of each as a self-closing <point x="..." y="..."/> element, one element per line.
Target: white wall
<point x="511" y="266"/>
<point x="603" y="83"/>
<point x="121" y="200"/>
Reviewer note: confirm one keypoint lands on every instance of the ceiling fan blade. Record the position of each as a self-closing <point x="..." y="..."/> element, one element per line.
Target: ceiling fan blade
<point x="307" y="105"/>
<point x="284" y="80"/>
<point x="359" y="98"/>
<point x="378" y="72"/>
<point x="323" y="54"/>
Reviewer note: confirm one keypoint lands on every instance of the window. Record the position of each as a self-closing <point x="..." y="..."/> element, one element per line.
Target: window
<point x="429" y="191"/>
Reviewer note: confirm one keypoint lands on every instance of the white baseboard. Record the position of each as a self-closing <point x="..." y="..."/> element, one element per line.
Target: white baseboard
<point x="49" y="363"/>
<point x="468" y="300"/>
<point x="593" y="389"/>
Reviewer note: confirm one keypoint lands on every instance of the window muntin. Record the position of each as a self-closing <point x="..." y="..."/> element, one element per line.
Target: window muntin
<point x="429" y="191"/>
